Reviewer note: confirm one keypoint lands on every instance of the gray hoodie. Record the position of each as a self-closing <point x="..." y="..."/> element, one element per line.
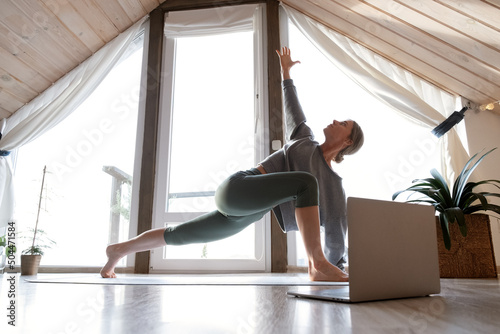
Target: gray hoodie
<point x="303" y="153"/>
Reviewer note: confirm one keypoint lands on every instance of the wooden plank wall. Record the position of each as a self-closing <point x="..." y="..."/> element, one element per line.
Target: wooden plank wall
<point x="41" y="40"/>
<point x="454" y="44"/>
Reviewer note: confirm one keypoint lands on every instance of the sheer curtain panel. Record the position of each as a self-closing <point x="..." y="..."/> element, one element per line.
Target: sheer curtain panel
<point x="403" y="91"/>
<point x="53" y="106"/>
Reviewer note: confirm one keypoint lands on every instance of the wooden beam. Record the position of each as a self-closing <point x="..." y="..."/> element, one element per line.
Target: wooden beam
<point x="175" y="5"/>
<point x="152" y="111"/>
<point x="278" y="238"/>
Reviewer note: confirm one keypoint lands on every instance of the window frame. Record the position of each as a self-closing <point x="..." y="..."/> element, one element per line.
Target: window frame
<point x="262" y="261"/>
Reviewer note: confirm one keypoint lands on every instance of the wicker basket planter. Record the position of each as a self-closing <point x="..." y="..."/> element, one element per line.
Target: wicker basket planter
<point x="469" y="257"/>
<point x="30" y="264"/>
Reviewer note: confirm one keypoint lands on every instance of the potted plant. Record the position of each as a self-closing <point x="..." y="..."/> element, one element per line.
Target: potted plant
<point x="3" y="249"/>
<point x="457" y="206"/>
<point x="30" y="257"/>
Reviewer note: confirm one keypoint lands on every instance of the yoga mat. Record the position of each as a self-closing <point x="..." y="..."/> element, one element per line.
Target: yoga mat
<point x="184" y="279"/>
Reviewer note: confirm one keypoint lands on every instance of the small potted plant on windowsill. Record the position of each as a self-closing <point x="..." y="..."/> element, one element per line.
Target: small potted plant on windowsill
<point x="30" y="257"/>
<point x="471" y="253"/>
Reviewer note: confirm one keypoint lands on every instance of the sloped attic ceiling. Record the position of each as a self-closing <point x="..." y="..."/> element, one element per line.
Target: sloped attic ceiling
<point x="42" y="40"/>
<point x="454" y="44"/>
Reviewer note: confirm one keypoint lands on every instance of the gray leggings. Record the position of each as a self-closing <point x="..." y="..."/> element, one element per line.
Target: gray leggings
<point x="242" y="199"/>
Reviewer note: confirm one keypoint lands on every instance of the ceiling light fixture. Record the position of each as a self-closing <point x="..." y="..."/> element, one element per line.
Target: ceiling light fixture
<point x="489" y="106"/>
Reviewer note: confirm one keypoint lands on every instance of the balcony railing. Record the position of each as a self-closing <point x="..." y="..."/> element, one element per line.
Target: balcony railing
<point x="120" y="178"/>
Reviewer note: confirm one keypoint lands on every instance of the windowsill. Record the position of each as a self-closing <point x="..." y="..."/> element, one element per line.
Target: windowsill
<point x="299" y="269"/>
<point x="71" y="270"/>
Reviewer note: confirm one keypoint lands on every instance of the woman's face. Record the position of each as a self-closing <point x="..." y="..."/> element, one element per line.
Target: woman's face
<point x="337" y="133"/>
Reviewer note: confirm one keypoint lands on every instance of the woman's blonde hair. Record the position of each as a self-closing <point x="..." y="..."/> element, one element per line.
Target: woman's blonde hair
<point x="357" y="138"/>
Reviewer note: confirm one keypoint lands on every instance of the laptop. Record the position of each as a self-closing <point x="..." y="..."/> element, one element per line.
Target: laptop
<point x="392" y="253"/>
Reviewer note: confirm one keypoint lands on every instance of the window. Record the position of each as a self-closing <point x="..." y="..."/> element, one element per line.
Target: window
<point x="209" y="130"/>
<point x="395" y="149"/>
<point x="90" y="163"/>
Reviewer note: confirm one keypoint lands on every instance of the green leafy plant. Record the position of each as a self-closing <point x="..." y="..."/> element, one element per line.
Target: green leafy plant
<point x="39" y="243"/>
<point x="453" y="204"/>
<point x="8" y="250"/>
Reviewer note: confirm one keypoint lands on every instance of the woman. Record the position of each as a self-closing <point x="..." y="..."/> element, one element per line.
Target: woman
<point x="285" y="182"/>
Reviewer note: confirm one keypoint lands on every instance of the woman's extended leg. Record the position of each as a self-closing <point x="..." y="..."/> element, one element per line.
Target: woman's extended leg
<point x="143" y="242"/>
<point x="244" y="199"/>
<point x="319" y="267"/>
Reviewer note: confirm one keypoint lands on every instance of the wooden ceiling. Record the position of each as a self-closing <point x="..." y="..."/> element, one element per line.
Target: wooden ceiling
<point x="41" y="40"/>
<point x="454" y="44"/>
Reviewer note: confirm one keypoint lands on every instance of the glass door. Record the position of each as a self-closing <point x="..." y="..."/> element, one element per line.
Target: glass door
<point x="210" y="129"/>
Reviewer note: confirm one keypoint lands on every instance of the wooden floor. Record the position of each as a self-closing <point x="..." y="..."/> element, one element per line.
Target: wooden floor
<point x="464" y="306"/>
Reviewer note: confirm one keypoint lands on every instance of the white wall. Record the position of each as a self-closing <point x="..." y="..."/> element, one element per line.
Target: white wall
<point x="483" y="133"/>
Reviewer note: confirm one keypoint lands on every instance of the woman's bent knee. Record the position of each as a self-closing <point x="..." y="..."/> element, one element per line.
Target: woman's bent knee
<point x="308" y="192"/>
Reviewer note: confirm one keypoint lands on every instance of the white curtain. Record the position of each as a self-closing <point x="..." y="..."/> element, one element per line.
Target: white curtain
<point x="403" y="91"/>
<point x="210" y="21"/>
<point x="52" y="106"/>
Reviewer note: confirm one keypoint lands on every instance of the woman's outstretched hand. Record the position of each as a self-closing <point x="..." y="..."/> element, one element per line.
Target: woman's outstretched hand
<point x="286" y="62"/>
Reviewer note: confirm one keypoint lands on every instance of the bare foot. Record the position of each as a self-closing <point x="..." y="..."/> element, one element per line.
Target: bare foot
<point x="114" y="255"/>
<point x="327" y="272"/>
